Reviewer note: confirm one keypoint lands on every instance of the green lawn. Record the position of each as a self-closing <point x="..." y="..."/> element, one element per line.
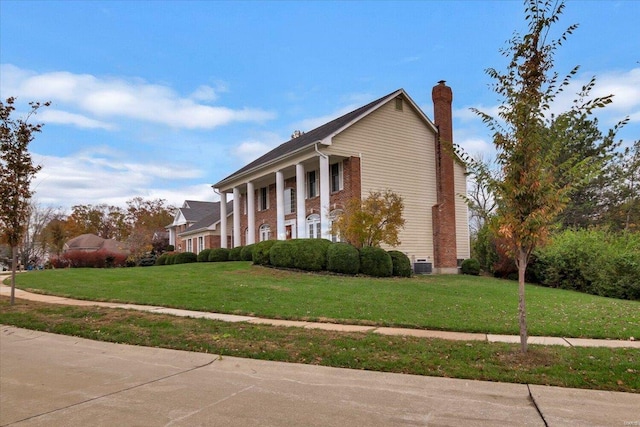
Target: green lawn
<point x="457" y="303"/>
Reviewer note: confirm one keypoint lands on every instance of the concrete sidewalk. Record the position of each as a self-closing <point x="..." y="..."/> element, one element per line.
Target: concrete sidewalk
<point x="457" y="336"/>
<point x="57" y="380"/>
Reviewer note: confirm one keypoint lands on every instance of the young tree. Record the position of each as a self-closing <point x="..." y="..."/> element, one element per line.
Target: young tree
<point x="16" y="172"/>
<point x="372" y="221"/>
<point x="35" y="244"/>
<point x="528" y="195"/>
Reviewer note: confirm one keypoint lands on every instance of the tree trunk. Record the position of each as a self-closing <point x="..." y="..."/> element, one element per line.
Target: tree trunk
<point x="522" y="309"/>
<point x="14" y="264"/>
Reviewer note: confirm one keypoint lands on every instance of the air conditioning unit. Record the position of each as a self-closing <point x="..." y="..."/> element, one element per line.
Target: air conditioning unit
<point x="421" y="266"/>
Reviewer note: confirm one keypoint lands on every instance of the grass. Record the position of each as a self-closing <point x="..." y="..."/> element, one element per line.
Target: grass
<point x="456" y="303"/>
<point x="592" y="368"/>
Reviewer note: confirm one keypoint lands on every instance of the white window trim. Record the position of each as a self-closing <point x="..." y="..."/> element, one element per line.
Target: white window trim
<point x="289" y="200"/>
<point x="316" y="184"/>
<point x="340" y="177"/>
<point x="265" y="229"/>
<point x="260" y="197"/>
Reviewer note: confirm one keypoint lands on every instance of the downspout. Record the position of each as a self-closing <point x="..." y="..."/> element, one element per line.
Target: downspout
<point x="320" y="152"/>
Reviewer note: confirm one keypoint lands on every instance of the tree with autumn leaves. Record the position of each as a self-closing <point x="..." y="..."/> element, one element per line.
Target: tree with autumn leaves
<point x="16" y="172"/>
<point x="528" y="195"/>
<point x="374" y="220"/>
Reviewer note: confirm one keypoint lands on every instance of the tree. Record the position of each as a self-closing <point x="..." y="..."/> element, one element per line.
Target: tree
<point x="528" y="195"/>
<point x="16" y="172"/>
<point x="34" y="245"/>
<point x="372" y="221"/>
<point x="622" y="192"/>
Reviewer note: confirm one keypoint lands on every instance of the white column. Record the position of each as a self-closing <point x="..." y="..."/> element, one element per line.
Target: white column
<point x="237" y="234"/>
<point x="301" y="210"/>
<point x="282" y="235"/>
<point x="325" y="232"/>
<point x="223" y="220"/>
<point x="251" y="213"/>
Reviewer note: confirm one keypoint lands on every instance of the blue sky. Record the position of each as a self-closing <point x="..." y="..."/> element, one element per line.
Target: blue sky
<point x="162" y="99"/>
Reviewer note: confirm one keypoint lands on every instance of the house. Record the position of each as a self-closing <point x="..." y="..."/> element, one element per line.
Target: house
<point x="196" y="226"/>
<point x="296" y="189"/>
<point x="92" y="243"/>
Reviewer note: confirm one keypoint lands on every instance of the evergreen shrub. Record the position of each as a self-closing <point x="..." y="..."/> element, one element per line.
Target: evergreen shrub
<point x="471" y="267"/>
<point x="203" y="255"/>
<point x="247" y="253"/>
<point x="184" y="258"/>
<point x="219" y="255"/>
<point x="234" y="253"/>
<point x="260" y="254"/>
<point x="343" y="258"/>
<point x="401" y="264"/>
<point x="375" y="262"/>
<point x="310" y="254"/>
<point x="282" y="253"/>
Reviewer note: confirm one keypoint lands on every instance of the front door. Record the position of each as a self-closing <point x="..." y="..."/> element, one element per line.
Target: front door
<point x="288" y="231"/>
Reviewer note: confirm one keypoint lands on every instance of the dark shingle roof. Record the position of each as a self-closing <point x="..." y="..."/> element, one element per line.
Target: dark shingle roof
<point x="311" y="137"/>
<point x="194" y="210"/>
<point x="211" y="218"/>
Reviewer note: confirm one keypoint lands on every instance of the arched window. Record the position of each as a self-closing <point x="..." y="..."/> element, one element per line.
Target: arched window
<point x="265" y="232"/>
<point x="313" y="225"/>
<point x="334" y="215"/>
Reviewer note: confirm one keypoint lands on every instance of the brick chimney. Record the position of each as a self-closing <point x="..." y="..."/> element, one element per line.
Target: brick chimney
<point x="444" y="212"/>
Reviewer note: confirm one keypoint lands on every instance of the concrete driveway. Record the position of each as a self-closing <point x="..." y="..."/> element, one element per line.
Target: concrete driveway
<point x="56" y="380"/>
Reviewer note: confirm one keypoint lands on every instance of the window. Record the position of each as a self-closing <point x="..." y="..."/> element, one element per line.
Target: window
<point x="336" y="177"/>
<point x="334" y="215"/>
<point x="200" y="243"/>
<point x="312" y="185"/>
<point x="399" y="104"/>
<point x="263" y="199"/>
<point x="189" y="245"/>
<point x="289" y="201"/>
<point x="265" y="232"/>
<point x="313" y="225"/>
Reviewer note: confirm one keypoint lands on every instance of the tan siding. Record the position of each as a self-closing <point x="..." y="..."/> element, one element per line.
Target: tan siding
<point x="397" y="153"/>
<point x="462" y="213"/>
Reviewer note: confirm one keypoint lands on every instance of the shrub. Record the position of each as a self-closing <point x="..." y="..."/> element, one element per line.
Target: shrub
<point x="94" y="259"/>
<point x="203" y="255"/>
<point x="401" y="264"/>
<point x="162" y="259"/>
<point x="247" y="252"/>
<point x="234" y="253"/>
<point x="184" y="258"/>
<point x="375" y="262"/>
<point x="260" y="254"/>
<point x="147" y="260"/>
<point x="170" y="248"/>
<point x="219" y="255"/>
<point x="282" y="254"/>
<point x="470" y="266"/>
<point x="310" y="254"/>
<point x="592" y="261"/>
<point x="343" y="258"/>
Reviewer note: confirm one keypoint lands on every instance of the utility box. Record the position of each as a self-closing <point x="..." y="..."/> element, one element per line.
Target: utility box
<point x="421" y="266"/>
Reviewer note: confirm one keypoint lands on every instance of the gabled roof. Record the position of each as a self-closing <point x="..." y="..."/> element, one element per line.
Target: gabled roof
<point x="194" y="210"/>
<point x="321" y="133"/>
<point x="210" y="219"/>
<point x="91" y="242"/>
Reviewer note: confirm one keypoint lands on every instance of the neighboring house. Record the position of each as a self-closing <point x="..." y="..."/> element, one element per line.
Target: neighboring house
<point x="295" y="190"/>
<point x="93" y="243"/>
<point x="196" y="226"/>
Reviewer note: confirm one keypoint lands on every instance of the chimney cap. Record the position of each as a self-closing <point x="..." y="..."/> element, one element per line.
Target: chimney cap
<point x="442" y="82"/>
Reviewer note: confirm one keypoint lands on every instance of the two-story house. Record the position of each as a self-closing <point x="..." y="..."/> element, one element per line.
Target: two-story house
<point x="196" y="226"/>
<point x="296" y="189"/>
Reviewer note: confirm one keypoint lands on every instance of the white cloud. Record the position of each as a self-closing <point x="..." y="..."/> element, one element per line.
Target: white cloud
<point x="63" y="117"/>
<point x="100" y="176"/>
<point x="251" y="149"/>
<point x="113" y="98"/>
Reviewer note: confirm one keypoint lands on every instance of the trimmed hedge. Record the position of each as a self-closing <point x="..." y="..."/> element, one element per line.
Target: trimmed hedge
<point x="471" y="267"/>
<point x="184" y="258"/>
<point x="375" y="262"/>
<point x="343" y="258"/>
<point x="401" y="264"/>
<point x="219" y="255"/>
<point x="282" y="254"/>
<point x="260" y="255"/>
<point x="203" y="255"/>
<point x="234" y="253"/>
<point x="310" y="254"/>
<point x="247" y="253"/>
